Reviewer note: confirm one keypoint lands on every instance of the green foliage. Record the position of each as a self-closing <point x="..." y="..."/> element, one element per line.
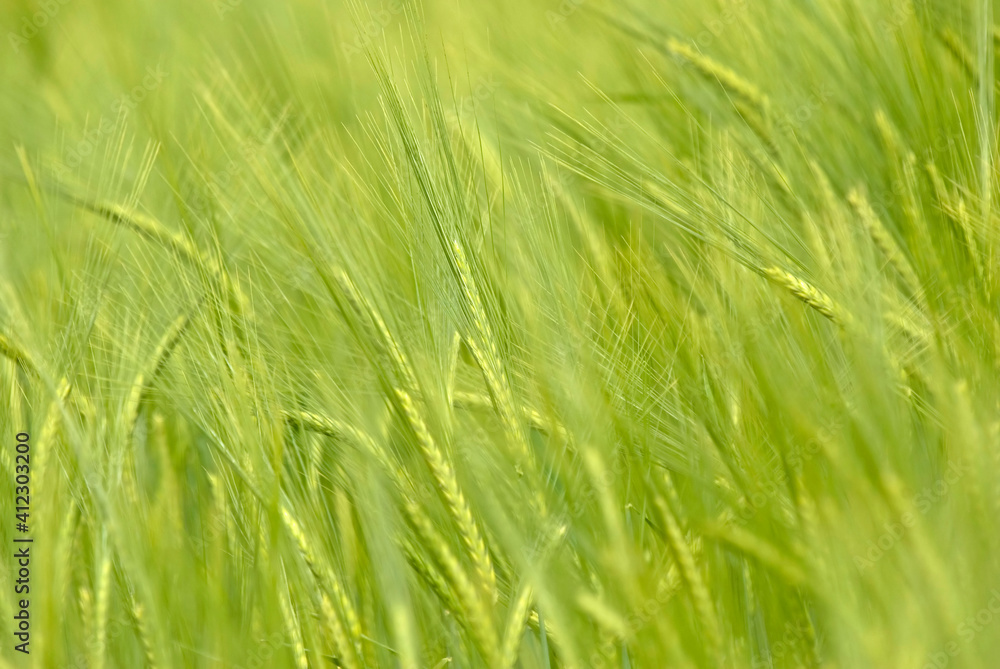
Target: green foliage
<point x="448" y="334"/>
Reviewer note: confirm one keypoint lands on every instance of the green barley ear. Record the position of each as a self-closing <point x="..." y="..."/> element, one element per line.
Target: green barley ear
<point x="718" y="73"/>
<point x="516" y="621"/>
<point x="10" y="350"/>
<point x="761" y="551"/>
<point x="477" y="612"/>
<point x="86" y="603"/>
<point x="175" y="243"/>
<point x="326" y="577"/>
<point x="144" y="379"/>
<point x="146" y="226"/>
<point x="808" y="294"/>
<point x="341" y="431"/>
<point x="690" y="573"/>
<point x="292" y="624"/>
<point x="447" y="480"/>
<point x="50" y="429"/>
<point x="142" y="623"/>
<point x="442" y="469"/>
<point x="959" y="214"/>
<point x="346" y="651"/>
<point x="453" y="360"/>
<point x="883" y="240"/>
<point x="431" y="576"/>
<point x="486" y="354"/>
<point x="101" y="613"/>
<point x="954" y="45"/>
<point x="534" y="419"/>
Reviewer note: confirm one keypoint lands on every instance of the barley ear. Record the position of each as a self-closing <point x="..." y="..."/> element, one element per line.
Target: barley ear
<point x="883" y="240"/>
<point x="808" y="294"/>
<point x="144" y="634"/>
<point x="145" y="378"/>
<point x="441" y="468"/>
<point x="476" y="612"/>
<point x="760" y="550"/>
<point x="453" y="352"/>
<point x="324" y="576"/>
<point x="53" y="419"/>
<point x="17" y="355"/>
<point x="431" y="576"/>
<point x="725" y="77"/>
<point x="516" y="622"/>
<point x="288" y="613"/>
<point x="347" y="654"/>
<point x="101" y="613"/>
<point x="958" y="50"/>
<point x="447" y="480"/>
<point x="477" y="402"/>
<point x="489" y="360"/>
<point x="691" y="576"/>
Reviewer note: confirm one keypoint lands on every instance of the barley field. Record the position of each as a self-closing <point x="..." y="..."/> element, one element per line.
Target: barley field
<point x="553" y="334"/>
